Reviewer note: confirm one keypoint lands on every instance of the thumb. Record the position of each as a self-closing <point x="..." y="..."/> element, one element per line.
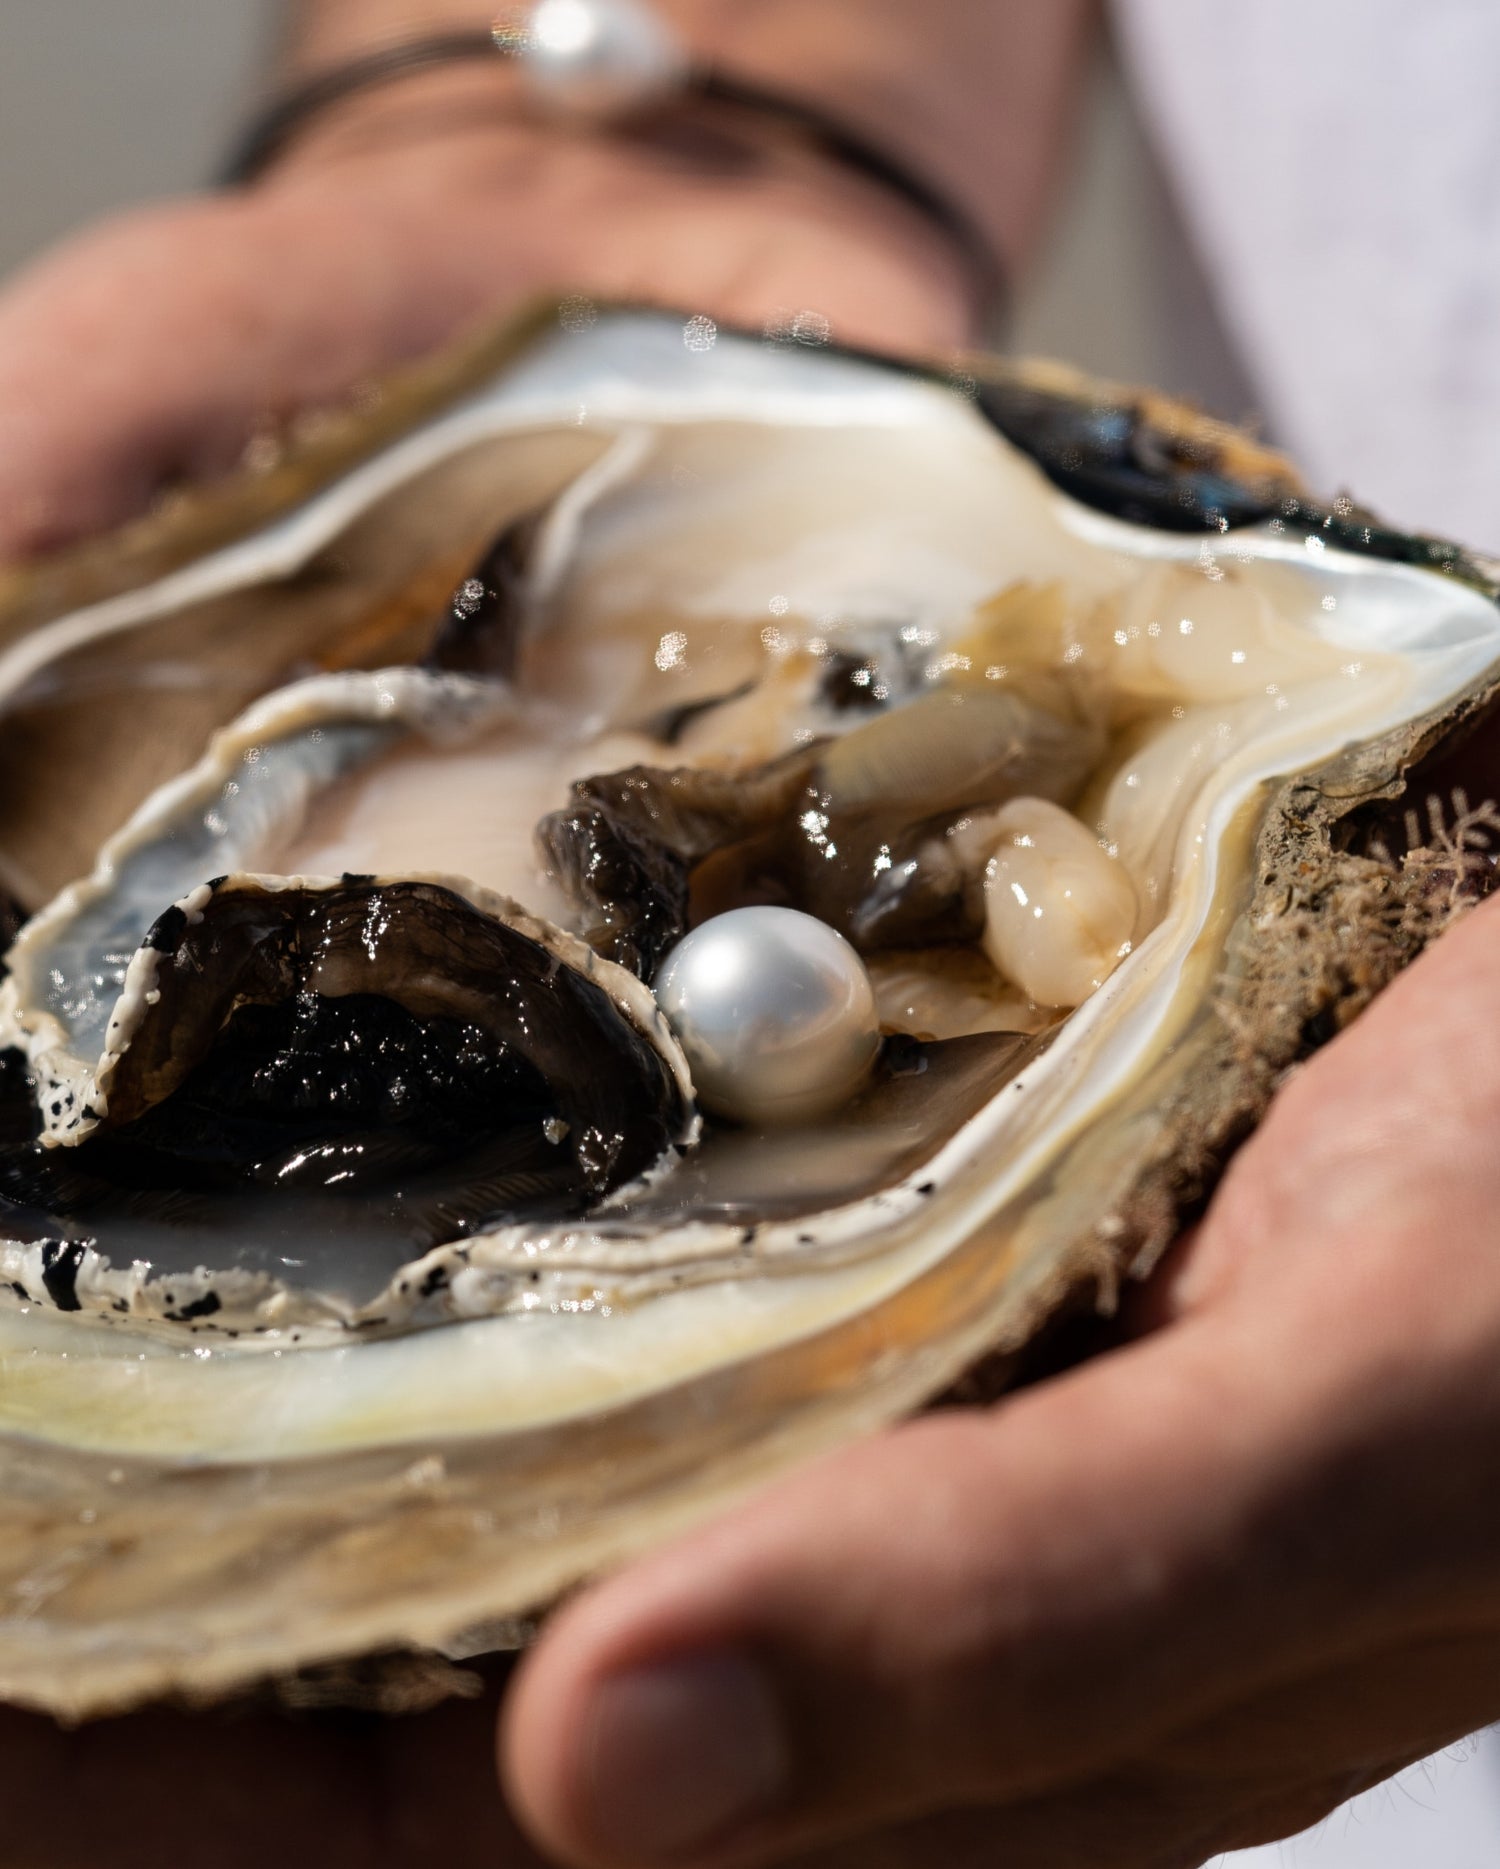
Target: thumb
<point x="984" y="1609"/>
<point x="975" y="1609"/>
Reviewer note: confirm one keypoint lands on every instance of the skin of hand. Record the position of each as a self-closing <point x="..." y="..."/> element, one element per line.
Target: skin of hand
<point x="247" y="1788"/>
<point x="150" y="352"/>
<point x="1189" y="1596"/>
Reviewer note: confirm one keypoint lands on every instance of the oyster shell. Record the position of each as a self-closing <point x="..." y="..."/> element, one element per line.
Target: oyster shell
<point x="791" y="626"/>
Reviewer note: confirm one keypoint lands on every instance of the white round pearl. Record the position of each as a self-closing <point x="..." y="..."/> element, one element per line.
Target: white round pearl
<point x="775" y="1012"/>
<point x="599" y="58"/>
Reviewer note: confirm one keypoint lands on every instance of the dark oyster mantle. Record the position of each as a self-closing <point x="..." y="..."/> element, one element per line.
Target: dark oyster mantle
<point x="559" y="1050"/>
<point x="1138" y="456"/>
<point x="433" y="1067"/>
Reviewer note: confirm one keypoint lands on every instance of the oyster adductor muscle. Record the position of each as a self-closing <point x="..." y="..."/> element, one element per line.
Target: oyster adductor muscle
<point x="841" y="830"/>
<point x="367" y="1276"/>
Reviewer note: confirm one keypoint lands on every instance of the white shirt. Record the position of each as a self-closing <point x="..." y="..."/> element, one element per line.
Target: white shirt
<point x="1338" y="162"/>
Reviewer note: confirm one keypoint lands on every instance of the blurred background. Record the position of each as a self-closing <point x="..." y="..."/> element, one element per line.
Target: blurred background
<point x="104" y="105"/>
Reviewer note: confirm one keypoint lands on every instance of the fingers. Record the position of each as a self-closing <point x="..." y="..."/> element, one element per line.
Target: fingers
<point x="1094" y="1672"/>
<point x="989" y="1609"/>
<point x="979" y="1608"/>
<point x="1374" y="1165"/>
<point x="1377" y="1158"/>
<point x="149" y="352"/>
<point x="241" y="1788"/>
<point x="1138" y="1818"/>
<point x="112" y="373"/>
<point x="1254" y="1773"/>
<point x="165" y="1786"/>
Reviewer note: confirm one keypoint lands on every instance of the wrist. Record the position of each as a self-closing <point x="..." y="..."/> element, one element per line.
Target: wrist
<point x="974" y="95"/>
<point x="976" y="98"/>
<point x="696" y="212"/>
<point x="326" y="32"/>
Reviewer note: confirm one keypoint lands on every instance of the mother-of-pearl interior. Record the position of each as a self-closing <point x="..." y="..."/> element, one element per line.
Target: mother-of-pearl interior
<point x="759" y="507"/>
<point x="729" y="549"/>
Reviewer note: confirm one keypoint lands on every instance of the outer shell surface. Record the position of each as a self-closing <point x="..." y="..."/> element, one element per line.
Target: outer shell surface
<point x="371" y="1275"/>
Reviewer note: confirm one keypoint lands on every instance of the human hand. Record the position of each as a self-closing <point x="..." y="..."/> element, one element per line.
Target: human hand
<point x="1190" y="1596"/>
<point x="151" y="351"/>
<point x="240" y="1788"/>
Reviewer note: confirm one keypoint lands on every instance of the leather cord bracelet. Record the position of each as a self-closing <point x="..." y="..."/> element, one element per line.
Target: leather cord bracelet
<point x="606" y="63"/>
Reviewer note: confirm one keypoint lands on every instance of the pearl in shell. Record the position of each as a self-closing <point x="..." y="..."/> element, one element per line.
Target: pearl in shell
<point x="599" y="58"/>
<point x="775" y="1013"/>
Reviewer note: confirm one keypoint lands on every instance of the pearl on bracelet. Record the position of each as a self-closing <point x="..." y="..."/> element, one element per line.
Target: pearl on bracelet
<point x="775" y="1012"/>
<point x="599" y="58"/>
